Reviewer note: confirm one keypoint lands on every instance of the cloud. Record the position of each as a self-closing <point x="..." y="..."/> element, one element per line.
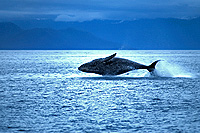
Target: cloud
<point x="79" y="16"/>
<point x="79" y="10"/>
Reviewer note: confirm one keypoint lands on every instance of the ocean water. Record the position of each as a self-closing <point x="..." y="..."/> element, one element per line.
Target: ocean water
<point x="43" y="91"/>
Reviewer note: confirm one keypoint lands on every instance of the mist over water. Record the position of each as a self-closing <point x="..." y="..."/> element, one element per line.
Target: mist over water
<point x="43" y="91"/>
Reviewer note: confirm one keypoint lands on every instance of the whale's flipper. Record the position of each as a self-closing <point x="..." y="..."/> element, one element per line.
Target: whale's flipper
<point x="109" y="57"/>
<point x="151" y="67"/>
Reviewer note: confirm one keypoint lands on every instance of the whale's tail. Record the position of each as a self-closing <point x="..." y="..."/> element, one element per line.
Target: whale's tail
<point x="151" y="67"/>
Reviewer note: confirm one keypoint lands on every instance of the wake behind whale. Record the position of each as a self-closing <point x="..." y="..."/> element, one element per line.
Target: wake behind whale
<point x="112" y="65"/>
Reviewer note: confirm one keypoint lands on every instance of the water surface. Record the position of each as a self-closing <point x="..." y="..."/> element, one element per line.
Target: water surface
<point x="43" y="91"/>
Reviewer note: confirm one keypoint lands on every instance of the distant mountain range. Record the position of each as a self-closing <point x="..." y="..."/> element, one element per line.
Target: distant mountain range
<point x="13" y="37"/>
<point x="100" y="34"/>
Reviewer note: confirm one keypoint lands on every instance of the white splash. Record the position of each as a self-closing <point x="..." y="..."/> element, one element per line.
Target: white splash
<point x="166" y="69"/>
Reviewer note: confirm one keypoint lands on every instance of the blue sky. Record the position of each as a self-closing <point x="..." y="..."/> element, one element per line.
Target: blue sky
<point x="85" y="10"/>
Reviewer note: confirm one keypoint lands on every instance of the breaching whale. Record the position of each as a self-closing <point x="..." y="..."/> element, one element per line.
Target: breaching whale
<point x="112" y="65"/>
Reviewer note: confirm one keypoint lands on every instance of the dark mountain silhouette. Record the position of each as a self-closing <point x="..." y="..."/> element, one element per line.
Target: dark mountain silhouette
<point x="147" y="33"/>
<point x="13" y="37"/>
<point x="7" y="30"/>
<point x="141" y="34"/>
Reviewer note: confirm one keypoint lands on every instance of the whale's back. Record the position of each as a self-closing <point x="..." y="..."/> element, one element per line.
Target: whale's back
<point x="118" y="66"/>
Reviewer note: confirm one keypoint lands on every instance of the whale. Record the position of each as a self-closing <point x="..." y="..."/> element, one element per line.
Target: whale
<point x="113" y="65"/>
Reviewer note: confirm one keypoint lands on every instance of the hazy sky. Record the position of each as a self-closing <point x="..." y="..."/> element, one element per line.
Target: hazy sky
<point x="83" y="10"/>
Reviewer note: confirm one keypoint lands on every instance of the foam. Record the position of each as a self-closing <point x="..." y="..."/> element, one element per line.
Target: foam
<point x="166" y="69"/>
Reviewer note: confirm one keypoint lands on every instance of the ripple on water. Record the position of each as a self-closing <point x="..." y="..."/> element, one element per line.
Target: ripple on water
<point x="58" y="98"/>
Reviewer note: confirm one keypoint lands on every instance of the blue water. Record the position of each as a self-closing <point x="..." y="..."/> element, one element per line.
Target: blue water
<point x="43" y="91"/>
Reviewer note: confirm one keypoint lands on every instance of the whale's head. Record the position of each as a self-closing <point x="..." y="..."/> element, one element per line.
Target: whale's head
<point x="92" y="66"/>
<point x="95" y="66"/>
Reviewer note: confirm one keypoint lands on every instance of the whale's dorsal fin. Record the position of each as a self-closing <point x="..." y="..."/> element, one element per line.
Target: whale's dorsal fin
<point x="109" y="57"/>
